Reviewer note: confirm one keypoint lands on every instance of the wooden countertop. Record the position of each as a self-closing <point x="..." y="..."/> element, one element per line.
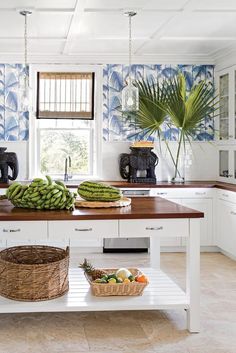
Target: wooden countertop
<point x="159" y="184"/>
<point x="140" y="208"/>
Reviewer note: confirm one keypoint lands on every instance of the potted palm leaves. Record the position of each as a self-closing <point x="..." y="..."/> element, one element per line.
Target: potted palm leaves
<point x="170" y="103"/>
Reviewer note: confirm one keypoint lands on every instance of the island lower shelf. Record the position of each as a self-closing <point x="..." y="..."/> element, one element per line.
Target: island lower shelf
<point x="162" y="293"/>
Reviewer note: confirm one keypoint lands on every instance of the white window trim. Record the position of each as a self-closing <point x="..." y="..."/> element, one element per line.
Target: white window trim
<point x="97" y="139"/>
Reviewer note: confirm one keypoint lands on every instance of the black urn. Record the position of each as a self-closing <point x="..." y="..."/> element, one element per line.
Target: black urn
<point x="8" y="160"/>
<point x="140" y="160"/>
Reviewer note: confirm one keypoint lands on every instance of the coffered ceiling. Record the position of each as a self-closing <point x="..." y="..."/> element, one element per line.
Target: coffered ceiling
<point x="96" y="31"/>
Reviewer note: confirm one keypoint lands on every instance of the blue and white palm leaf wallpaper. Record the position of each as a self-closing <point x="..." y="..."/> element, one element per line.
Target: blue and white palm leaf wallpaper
<point x="14" y="123"/>
<point x="117" y="127"/>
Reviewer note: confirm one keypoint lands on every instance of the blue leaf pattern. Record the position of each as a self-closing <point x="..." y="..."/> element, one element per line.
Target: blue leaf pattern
<point x="14" y="124"/>
<point x="117" y="127"/>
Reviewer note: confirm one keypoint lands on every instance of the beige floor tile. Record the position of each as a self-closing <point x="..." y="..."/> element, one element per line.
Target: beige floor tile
<point x="136" y="331"/>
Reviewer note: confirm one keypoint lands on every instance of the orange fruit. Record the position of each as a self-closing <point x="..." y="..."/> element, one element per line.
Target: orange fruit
<point x="141" y="279"/>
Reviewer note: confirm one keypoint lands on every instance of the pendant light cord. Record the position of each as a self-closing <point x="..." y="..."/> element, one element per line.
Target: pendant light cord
<point x="130" y="48"/>
<point x="26" y="41"/>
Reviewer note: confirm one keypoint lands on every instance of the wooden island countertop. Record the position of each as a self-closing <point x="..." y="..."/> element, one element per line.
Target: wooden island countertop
<point x="140" y="208"/>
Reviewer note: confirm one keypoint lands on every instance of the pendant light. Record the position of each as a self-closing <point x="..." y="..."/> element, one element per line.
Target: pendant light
<point x="25" y="98"/>
<point x="130" y="94"/>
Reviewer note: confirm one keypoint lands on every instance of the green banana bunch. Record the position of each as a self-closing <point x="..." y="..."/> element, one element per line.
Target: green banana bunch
<point x="41" y="194"/>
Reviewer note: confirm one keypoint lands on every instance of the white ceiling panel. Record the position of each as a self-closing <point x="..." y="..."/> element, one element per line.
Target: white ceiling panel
<point x="58" y="4"/>
<point x="182" y="48"/>
<point x="215" y="4"/>
<point x="202" y="24"/>
<point x="134" y="4"/>
<point x="116" y="24"/>
<point x="102" y="46"/>
<point x="39" y="24"/>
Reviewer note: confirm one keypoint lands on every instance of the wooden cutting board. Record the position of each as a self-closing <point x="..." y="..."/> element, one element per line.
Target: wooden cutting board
<point x="124" y="201"/>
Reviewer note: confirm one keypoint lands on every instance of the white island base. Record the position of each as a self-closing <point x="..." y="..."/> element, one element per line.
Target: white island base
<point x="167" y="219"/>
<point x="162" y="293"/>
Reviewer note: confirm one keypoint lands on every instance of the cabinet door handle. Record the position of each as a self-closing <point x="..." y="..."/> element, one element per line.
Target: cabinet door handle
<point x="83" y="229"/>
<point x="154" y="228"/>
<point x="200" y="193"/>
<point x="233" y="213"/>
<point x="161" y="193"/>
<point x="11" y="230"/>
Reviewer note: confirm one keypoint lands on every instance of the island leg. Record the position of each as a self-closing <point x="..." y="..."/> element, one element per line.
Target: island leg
<point x="193" y="275"/>
<point x="155" y="251"/>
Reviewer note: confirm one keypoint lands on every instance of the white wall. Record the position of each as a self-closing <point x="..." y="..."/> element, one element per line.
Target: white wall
<point x="202" y="161"/>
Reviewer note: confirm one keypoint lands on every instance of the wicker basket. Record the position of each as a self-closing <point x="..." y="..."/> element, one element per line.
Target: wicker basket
<point x="34" y="273"/>
<point x="105" y="290"/>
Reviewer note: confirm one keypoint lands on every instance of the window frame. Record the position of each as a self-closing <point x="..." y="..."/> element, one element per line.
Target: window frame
<point x="95" y="131"/>
<point x="58" y="115"/>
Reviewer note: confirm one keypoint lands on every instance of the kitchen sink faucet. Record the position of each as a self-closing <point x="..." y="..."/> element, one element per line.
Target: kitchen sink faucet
<point x="67" y="166"/>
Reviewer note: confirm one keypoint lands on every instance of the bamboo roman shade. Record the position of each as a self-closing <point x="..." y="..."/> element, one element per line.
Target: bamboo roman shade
<point x="65" y="95"/>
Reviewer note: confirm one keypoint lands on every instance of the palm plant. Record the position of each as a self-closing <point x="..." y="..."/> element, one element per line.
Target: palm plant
<point x="150" y="115"/>
<point x="187" y="111"/>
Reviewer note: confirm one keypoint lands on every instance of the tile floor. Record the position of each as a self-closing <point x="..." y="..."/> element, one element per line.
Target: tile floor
<point x="133" y="332"/>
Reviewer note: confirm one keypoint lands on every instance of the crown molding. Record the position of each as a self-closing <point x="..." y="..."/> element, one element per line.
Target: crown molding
<point x="225" y="57"/>
<point x="94" y="58"/>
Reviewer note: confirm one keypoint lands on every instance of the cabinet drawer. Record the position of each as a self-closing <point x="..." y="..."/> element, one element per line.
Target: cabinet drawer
<point x="226" y="195"/>
<point x="183" y="192"/>
<point x="84" y="233"/>
<point x="16" y="231"/>
<point x="149" y="227"/>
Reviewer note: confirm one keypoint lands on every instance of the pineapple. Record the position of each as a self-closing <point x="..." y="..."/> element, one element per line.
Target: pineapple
<point x="91" y="270"/>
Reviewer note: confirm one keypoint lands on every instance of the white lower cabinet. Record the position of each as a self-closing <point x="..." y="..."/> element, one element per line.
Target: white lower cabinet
<point x="82" y="233"/>
<point x="200" y="199"/>
<point x="226" y="226"/>
<point x="169" y="229"/>
<point x="23" y="232"/>
<point x="205" y="206"/>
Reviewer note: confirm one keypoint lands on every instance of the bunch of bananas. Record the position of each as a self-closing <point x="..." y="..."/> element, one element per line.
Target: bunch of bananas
<point x="41" y="194"/>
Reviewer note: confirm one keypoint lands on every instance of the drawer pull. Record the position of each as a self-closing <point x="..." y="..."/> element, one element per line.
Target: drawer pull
<point x="233" y="213"/>
<point x="154" y="228"/>
<point x="83" y="229"/>
<point x="225" y="195"/>
<point x="200" y="193"/>
<point x="11" y="230"/>
<point x="161" y="193"/>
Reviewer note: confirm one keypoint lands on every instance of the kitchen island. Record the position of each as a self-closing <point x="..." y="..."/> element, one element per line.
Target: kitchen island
<point x="152" y="217"/>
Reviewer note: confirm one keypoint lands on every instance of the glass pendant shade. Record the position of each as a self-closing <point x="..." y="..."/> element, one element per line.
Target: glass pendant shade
<point x="130" y="98"/>
<point x="25" y="94"/>
<point x="130" y="94"/>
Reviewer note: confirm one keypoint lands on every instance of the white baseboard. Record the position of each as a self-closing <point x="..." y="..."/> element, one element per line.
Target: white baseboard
<point x="226" y="253"/>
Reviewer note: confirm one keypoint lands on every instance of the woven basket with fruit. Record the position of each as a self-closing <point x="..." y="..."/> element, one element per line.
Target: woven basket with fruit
<point x="113" y="281"/>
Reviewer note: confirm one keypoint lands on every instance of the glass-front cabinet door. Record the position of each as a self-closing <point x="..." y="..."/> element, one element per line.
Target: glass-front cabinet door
<point x="224" y="107"/>
<point x="224" y="163"/>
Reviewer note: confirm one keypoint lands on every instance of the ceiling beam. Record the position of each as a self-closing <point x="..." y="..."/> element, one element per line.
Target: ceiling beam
<point x="74" y="26"/>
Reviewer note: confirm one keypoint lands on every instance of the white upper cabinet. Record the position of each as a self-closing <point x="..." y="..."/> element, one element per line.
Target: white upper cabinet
<point x="227" y="94"/>
<point x="224" y="112"/>
<point x="226" y="129"/>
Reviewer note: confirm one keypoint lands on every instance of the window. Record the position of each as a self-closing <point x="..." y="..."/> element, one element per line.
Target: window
<point x="65" y="95"/>
<point x="65" y="125"/>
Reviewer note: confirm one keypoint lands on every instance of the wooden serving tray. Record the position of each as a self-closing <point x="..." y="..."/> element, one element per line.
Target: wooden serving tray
<point x="124" y="201"/>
